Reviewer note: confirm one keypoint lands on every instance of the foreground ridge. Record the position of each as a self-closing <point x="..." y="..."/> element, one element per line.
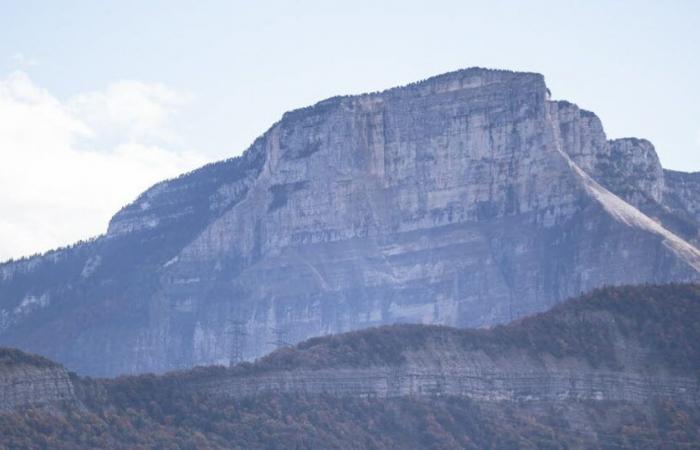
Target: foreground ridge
<point x="617" y="366"/>
<point x="594" y="348"/>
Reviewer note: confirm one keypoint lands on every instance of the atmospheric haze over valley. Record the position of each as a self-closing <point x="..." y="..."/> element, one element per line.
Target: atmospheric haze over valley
<point x="463" y="261"/>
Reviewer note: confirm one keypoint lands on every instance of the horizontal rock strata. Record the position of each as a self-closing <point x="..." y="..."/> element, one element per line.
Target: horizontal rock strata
<point x="467" y="199"/>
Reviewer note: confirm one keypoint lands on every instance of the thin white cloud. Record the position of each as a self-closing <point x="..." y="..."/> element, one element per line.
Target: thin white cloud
<point x="68" y="166"/>
<point x="130" y="109"/>
<point x="23" y="62"/>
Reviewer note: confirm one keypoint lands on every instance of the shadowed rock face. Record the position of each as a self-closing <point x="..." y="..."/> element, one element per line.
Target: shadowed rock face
<point x="467" y="199"/>
<point x="446" y="370"/>
<point x="682" y="196"/>
<point x="631" y="345"/>
<point x="616" y="368"/>
<point x="32" y="381"/>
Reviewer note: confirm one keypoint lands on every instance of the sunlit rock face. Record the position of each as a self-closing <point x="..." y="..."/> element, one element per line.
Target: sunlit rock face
<point x="467" y="199"/>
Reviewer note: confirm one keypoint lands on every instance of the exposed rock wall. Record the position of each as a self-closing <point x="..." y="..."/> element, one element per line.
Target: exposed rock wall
<point x="26" y="385"/>
<point x="467" y="199"/>
<point x="636" y="171"/>
<point x="630" y="345"/>
<point x="619" y="366"/>
<point x="504" y="380"/>
<point x="682" y="193"/>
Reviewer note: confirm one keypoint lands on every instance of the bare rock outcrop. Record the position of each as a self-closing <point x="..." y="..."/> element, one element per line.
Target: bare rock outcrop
<point x="30" y="381"/>
<point x="619" y="368"/>
<point x="467" y="199"/>
<point x="633" y="345"/>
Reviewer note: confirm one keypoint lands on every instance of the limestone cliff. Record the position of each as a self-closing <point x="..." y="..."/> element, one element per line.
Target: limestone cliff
<point x="31" y="381"/>
<point x="618" y="368"/>
<point x="467" y="199"/>
<point x="632" y="345"/>
<point x="682" y="195"/>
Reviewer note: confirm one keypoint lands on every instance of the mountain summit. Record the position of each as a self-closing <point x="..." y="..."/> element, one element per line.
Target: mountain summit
<point x="467" y="199"/>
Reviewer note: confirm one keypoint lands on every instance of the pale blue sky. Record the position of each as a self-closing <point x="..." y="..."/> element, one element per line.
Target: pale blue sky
<point x="231" y="69"/>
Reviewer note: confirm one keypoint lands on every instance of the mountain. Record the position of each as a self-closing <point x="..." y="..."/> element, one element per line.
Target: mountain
<point x="467" y="199"/>
<point x="617" y="368"/>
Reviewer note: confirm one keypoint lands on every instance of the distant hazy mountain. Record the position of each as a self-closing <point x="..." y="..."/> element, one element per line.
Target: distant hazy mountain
<point x="618" y="368"/>
<point x="468" y="199"/>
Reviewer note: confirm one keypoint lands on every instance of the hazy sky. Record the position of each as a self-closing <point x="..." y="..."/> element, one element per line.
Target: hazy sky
<point x="100" y="99"/>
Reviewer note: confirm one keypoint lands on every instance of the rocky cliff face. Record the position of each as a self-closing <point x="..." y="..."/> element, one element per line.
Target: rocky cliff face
<point x="467" y="199"/>
<point x="619" y="367"/>
<point x="27" y="381"/>
<point x="682" y="196"/>
<point x="513" y="377"/>
<point x="610" y="346"/>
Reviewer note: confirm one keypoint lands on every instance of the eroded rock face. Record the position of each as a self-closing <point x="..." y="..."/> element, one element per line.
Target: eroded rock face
<point x="475" y="375"/>
<point x="682" y="195"/>
<point x="26" y="384"/>
<point x="467" y="199"/>
<point x="612" y="345"/>
<point x="636" y="164"/>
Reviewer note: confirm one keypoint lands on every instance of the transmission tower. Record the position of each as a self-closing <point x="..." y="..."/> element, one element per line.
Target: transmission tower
<point x="281" y="337"/>
<point x="235" y="331"/>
